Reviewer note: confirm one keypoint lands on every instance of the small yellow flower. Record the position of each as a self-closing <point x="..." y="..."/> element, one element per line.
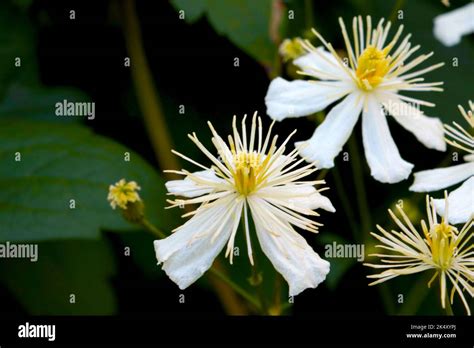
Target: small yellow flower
<point x="291" y="49"/>
<point x="122" y="193"/>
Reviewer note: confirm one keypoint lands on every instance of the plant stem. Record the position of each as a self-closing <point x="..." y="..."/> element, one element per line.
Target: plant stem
<point x="346" y="206"/>
<point x="256" y="279"/>
<point x="398" y="5"/>
<point x="145" y="89"/>
<point x="151" y="228"/>
<point x="387" y="298"/>
<point x="308" y="14"/>
<point x="242" y="292"/>
<point x="361" y="196"/>
<point x="276" y="309"/>
<point x="322" y="174"/>
<point x="415" y="297"/>
<point x="257" y="282"/>
<point x="449" y="309"/>
<point x="364" y="212"/>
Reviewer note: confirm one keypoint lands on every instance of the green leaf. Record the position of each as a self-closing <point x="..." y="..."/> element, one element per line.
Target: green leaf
<point x="247" y="27"/>
<point x="21" y="92"/>
<point x="193" y="10"/>
<point x="64" y="268"/>
<point x="39" y="102"/>
<point x="63" y="162"/>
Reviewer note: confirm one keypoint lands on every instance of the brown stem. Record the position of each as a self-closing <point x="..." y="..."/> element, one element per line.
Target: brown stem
<point x="145" y="89"/>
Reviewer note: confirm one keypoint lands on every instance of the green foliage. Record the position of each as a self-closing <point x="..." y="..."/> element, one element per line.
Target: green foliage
<point x="60" y="163"/>
<point x="81" y="268"/>
<point x="38" y="102"/>
<point x="247" y="27"/>
<point x="193" y="9"/>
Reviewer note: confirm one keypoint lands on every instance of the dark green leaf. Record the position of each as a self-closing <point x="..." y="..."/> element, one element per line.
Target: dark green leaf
<point x="64" y="268"/>
<point x="60" y="163"/>
<point x="39" y="102"/>
<point x="247" y="27"/>
<point x="193" y="10"/>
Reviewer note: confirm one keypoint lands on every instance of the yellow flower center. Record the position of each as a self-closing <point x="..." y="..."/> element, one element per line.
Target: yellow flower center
<point x="122" y="193"/>
<point x="248" y="170"/>
<point x="443" y="245"/>
<point x="372" y="65"/>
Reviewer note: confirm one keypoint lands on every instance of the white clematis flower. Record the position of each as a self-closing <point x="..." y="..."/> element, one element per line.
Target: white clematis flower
<point x="252" y="176"/>
<point x="461" y="200"/>
<point x="377" y="71"/>
<point x="440" y="247"/>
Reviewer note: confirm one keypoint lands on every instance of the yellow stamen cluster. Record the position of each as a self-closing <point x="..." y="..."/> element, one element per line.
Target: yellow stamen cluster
<point x="372" y="65"/>
<point x="248" y="168"/>
<point x="122" y="193"/>
<point x="441" y="247"/>
<point x="291" y="49"/>
<point x="442" y="242"/>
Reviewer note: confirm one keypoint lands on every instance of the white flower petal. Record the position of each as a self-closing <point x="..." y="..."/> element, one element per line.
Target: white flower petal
<point x="297" y="197"/>
<point x="451" y="26"/>
<point x="329" y="138"/>
<point x="460" y="203"/>
<point x="327" y="65"/>
<point x="437" y="179"/>
<point x="428" y="130"/>
<point x="189" y="188"/>
<point x="317" y="200"/>
<point x="385" y="162"/>
<point x="300" y="98"/>
<point x="289" y="253"/>
<point x="190" y="251"/>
